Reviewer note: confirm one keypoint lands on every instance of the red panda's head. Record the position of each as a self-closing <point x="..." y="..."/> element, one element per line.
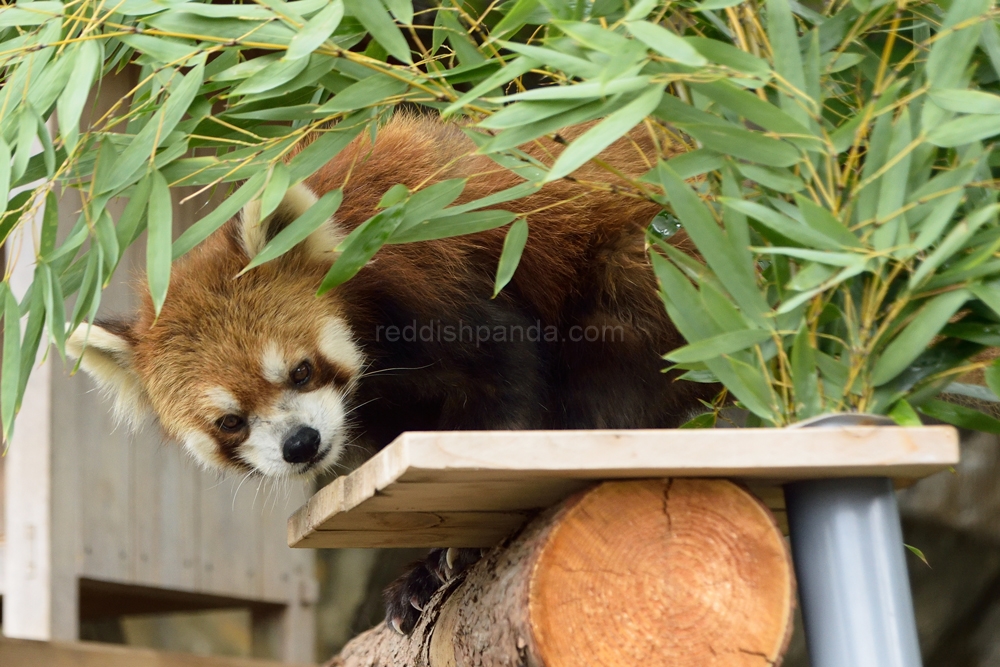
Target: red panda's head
<point x="249" y="372"/>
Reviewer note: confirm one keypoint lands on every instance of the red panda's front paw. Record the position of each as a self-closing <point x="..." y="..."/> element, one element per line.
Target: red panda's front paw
<point x="406" y="597"/>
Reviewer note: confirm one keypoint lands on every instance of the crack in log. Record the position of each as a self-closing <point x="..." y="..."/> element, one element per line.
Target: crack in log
<point x="666" y="505"/>
<point x="759" y="654"/>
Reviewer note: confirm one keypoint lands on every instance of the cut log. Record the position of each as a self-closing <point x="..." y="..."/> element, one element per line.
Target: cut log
<point x="679" y="573"/>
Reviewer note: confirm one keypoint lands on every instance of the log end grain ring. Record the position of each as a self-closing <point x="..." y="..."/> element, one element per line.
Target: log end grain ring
<point x="662" y="572"/>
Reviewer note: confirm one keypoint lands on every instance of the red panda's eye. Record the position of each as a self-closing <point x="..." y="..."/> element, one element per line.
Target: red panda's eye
<point x="231" y="423"/>
<point x="302" y="373"/>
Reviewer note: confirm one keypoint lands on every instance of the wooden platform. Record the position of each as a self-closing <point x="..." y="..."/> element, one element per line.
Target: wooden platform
<point x="471" y="489"/>
<point x="28" y="653"/>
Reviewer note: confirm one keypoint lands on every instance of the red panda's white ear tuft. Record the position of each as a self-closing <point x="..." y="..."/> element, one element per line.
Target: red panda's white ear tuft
<point x="106" y="353"/>
<point x="255" y="233"/>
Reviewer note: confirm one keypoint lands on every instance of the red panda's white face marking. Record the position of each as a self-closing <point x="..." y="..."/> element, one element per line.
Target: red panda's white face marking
<point x="251" y="372"/>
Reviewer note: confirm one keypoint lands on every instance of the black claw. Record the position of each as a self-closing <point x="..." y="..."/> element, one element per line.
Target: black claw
<point x="406" y="597"/>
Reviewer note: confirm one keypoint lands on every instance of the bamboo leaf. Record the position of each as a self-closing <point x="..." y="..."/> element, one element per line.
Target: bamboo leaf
<point x="961" y="100"/>
<point x="513" y="246"/>
<point x="324" y="149"/>
<point x="453" y="225"/>
<point x="299" y="229"/>
<point x="706" y="420"/>
<point x="744" y="144"/>
<point x="158" y="251"/>
<point x="787" y="59"/>
<point x="917" y="335"/>
<point x="665" y="43"/>
<point x="10" y="369"/>
<point x="156" y="130"/>
<point x="950" y="54"/>
<point x="5" y="168"/>
<point x="782" y="224"/>
<point x="992" y="376"/>
<point x="965" y="130"/>
<point x="952" y="243"/>
<point x="719" y="345"/>
<point x="725" y="256"/>
<point x="361" y="245"/>
<point x="202" y="229"/>
<point x="367" y="92"/>
<point x="805" y="375"/>
<point x="87" y="57"/>
<point x="383" y="29"/>
<point x="275" y="189"/>
<point x="596" y="139"/>
<point x="317" y="30"/>
<point x="903" y="414"/>
<point x="960" y="416"/>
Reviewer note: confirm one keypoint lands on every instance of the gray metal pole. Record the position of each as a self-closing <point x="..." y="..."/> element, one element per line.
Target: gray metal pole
<point x="849" y="560"/>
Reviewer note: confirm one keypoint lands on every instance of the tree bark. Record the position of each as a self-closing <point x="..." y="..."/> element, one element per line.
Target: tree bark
<point x="679" y="573"/>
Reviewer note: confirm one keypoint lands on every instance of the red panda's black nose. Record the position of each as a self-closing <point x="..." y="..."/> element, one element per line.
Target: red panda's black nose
<point x="301" y="446"/>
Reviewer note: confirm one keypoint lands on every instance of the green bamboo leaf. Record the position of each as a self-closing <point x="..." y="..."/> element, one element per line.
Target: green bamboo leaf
<point x="367" y="92"/>
<point x="732" y="57"/>
<point x="787" y="58"/>
<point x="27" y="128"/>
<point x="516" y="136"/>
<point x="557" y="59"/>
<point x="272" y="76"/>
<point x="516" y="17"/>
<point x="158" y="250"/>
<point x="596" y="139"/>
<point x="31" y="338"/>
<point x="104" y="227"/>
<point x="229" y="207"/>
<point x="682" y="301"/>
<point x="717" y="346"/>
<point x="586" y="90"/>
<point x="10" y="369"/>
<point x="401" y="9"/>
<point x="782" y="224"/>
<point x="950" y="54"/>
<point x="805" y="375"/>
<point x="275" y="189"/>
<point x="522" y="113"/>
<point x="153" y="134"/>
<point x="452" y="225"/>
<point x="820" y="256"/>
<point x="809" y="276"/>
<point x="992" y="376"/>
<point x="458" y="37"/>
<point x="431" y="201"/>
<point x="509" y="194"/>
<point x="706" y="420"/>
<point x="754" y="109"/>
<point x="988" y="293"/>
<point x="666" y="43"/>
<point x="29" y="13"/>
<point x="781" y="180"/>
<point x="640" y="9"/>
<point x="317" y="30"/>
<point x="324" y="149"/>
<point x="961" y="100"/>
<point x="361" y="245"/>
<point x="510" y="71"/>
<point x="55" y="307"/>
<point x="952" y="243"/>
<point x="5" y="164"/>
<point x="383" y="29"/>
<point x="69" y="107"/>
<point x="513" y="246"/>
<point x="903" y="414"/>
<point x="965" y="130"/>
<point x="727" y="257"/>
<point x="824" y="222"/>
<point x="744" y="144"/>
<point x="169" y="51"/>
<point x="917" y="335"/>
<point x="959" y="415"/>
<point x="299" y="229"/>
<point x="892" y="191"/>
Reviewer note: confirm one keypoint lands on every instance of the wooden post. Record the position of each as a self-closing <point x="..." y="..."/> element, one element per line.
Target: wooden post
<point x="654" y="572"/>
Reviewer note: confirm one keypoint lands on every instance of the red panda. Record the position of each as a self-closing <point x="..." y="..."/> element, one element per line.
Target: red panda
<point x="258" y="374"/>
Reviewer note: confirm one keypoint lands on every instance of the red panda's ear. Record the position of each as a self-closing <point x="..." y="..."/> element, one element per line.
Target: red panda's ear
<point x="105" y="351"/>
<point x="256" y="233"/>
